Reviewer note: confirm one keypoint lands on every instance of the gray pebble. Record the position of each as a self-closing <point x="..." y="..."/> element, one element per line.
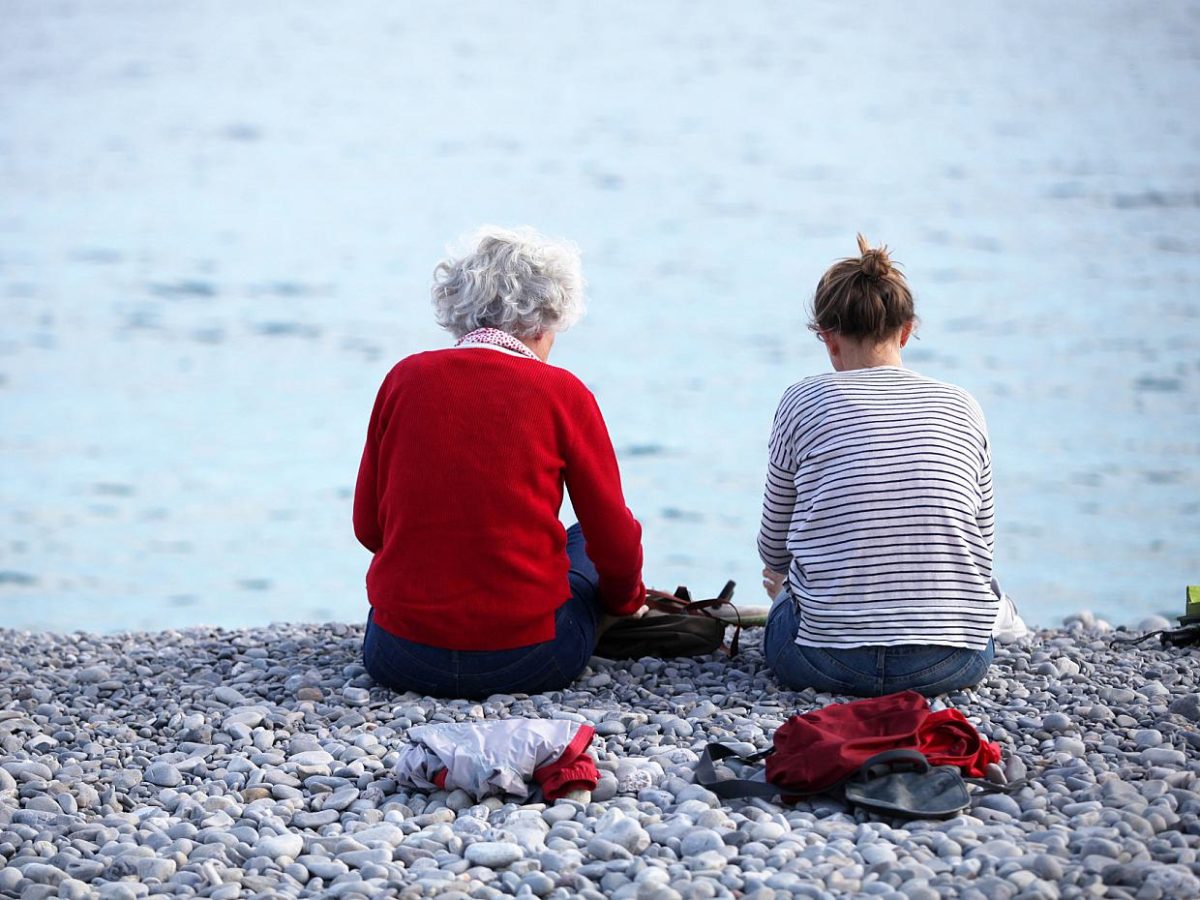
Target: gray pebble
<point x="493" y="854"/>
<point x="626" y="833"/>
<point x="355" y="696"/>
<point x="164" y="775"/>
<point x="1057" y="722"/>
<point x="1163" y="756"/>
<point x="1187" y="706"/>
<point x="275" y="846"/>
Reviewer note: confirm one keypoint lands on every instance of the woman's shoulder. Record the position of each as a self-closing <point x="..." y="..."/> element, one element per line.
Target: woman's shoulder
<point x="812" y="386"/>
<point x="952" y="393"/>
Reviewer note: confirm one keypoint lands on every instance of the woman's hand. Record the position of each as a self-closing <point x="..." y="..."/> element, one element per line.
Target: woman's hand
<point x="773" y="582"/>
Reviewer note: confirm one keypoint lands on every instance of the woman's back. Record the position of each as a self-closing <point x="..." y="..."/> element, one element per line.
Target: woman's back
<point x="879" y="501"/>
<point x="467" y="454"/>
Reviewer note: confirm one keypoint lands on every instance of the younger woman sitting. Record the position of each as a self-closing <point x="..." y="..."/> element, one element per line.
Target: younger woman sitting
<point x="877" y="523"/>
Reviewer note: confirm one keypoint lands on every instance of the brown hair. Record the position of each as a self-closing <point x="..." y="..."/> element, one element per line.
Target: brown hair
<point x="863" y="297"/>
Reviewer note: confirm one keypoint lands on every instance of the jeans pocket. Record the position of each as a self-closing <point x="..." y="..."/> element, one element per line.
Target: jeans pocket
<point x="958" y="668"/>
<point x="835" y="675"/>
<point x="937" y="665"/>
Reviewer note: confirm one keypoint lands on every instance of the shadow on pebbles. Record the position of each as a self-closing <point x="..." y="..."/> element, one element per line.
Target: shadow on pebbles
<point x="258" y="763"/>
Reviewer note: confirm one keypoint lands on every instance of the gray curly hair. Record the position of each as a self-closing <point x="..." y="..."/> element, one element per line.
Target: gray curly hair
<point x="516" y="280"/>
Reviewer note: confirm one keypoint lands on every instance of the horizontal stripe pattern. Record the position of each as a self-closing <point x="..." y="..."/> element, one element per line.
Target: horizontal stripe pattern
<point x="878" y="505"/>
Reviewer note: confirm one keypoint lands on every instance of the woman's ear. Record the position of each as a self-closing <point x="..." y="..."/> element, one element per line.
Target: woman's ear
<point x="906" y="331"/>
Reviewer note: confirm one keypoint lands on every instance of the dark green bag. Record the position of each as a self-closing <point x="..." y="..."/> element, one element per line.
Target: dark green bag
<point x="676" y="625"/>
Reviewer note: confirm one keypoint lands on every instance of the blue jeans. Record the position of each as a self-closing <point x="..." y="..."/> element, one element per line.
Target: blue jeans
<point x="867" y="671"/>
<point x="552" y="665"/>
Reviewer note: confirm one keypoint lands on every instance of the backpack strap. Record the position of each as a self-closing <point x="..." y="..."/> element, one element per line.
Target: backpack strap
<point x="706" y="774"/>
<point x="681" y="603"/>
<point x="991" y="787"/>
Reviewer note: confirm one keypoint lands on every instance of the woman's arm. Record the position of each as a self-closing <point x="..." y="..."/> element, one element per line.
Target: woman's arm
<point x="613" y="535"/>
<point x="779" y="499"/>
<point x="366" y="491"/>
<point x="986" y="517"/>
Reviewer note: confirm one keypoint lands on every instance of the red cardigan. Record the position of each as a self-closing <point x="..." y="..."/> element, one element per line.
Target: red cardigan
<point x="458" y="497"/>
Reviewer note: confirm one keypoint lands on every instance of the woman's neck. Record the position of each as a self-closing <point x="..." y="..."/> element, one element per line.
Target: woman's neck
<point x="848" y="354"/>
<point x="867" y="357"/>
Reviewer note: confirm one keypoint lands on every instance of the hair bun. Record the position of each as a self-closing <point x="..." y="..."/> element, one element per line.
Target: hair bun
<point x="875" y="262"/>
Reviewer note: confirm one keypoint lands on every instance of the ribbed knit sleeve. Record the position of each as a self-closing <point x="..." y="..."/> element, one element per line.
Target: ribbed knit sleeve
<point x="366" y="491"/>
<point x="614" y="537"/>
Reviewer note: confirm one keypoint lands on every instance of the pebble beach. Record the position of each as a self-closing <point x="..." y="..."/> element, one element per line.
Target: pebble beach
<point x="258" y="763"/>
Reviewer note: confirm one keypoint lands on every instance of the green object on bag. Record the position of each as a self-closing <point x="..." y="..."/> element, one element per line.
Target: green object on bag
<point x="1191" y="613"/>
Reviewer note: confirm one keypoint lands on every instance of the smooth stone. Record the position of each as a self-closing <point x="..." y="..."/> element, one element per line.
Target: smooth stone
<point x="1146" y="738"/>
<point x="384" y="831"/>
<point x="606" y="850"/>
<point x="160" y="869"/>
<point x="493" y="854"/>
<point x="315" y="819"/>
<point x="1057" y="722"/>
<point x="275" y="846"/>
<point x="41" y="873"/>
<point x="229" y="696"/>
<point x="127" y="779"/>
<point x="873" y="854"/>
<point x="1070" y="745"/>
<point x="327" y="869"/>
<point x="538" y="883"/>
<point x="357" y="859"/>
<point x="355" y="696"/>
<point x="318" y="758"/>
<point x="1187" y="706"/>
<point x="164" y="775"/>
<point x="700" y="840"/>
<point x="1163" y="756"/>
<point x="626" y="833"/>
<point x="1001" y="803"/>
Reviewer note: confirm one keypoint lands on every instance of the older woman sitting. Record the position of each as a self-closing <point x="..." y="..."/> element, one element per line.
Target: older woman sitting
<point x="475" y="587"/>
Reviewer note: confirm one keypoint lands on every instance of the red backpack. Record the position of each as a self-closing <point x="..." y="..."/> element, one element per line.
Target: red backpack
<point x="820" y="750"/>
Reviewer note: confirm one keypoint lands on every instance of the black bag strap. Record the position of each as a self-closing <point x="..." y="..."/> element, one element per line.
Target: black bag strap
<point x="991" y="787"/>
<point x="1188" y="635"/>
<point x="706" y="774"/>
<point x="681" y="602"/>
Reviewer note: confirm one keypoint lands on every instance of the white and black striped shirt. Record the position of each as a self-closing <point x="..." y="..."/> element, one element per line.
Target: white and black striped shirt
<point x="878" y="505"/>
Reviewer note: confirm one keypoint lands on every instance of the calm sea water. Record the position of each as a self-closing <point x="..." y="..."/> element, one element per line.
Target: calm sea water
<point x="217" y="226"/>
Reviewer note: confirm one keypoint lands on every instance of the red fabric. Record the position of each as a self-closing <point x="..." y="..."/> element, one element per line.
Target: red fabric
<point x="574" y="770"/>
<point x="458" y="496"/>
<point x="815" y="751"/>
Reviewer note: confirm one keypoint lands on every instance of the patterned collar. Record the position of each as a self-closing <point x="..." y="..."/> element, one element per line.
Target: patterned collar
<point x="496" y="338"/>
